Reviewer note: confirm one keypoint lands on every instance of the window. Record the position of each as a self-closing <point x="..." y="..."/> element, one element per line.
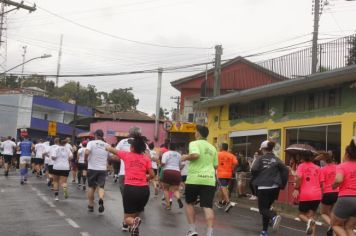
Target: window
<point x="246" y="146"/>
<point x="46" y="116"/>
<point x="253" y="109"/>
<point x="190" y="117"/>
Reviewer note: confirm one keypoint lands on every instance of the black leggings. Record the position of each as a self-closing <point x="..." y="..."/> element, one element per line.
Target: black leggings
<point x="266" y="197"/>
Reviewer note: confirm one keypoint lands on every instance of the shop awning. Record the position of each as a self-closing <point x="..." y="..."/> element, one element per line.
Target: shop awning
<point x="85" y="135"/>
<point x="248" y="133"/>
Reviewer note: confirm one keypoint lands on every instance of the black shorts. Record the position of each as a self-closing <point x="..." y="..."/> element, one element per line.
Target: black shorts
<point x="345" y="207"/>
<point x="205" y="192"/>
<point x="96" y="178"/>
<point x="155" y="171"/>
<point x="306" y="206"/>
<point x="329" y="198"/>
<point x="32" y="160"/>
<point x="135" y="198"/>
<point x="7" y="159"/>
<point x="171" y="177"/>
<point x="50" y="169"/>
<point x="38" y="161"/>
<point x="224" y="182"/>
<point x="63" y="173"/>
<point x="184" y="178"/>
<point x="82" y="166"/>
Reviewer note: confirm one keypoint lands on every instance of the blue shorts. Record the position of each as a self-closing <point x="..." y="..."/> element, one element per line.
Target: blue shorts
<point x="224" y="182"/>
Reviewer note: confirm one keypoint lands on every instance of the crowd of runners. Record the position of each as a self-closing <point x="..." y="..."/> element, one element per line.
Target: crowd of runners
<point x="202" y="177"/>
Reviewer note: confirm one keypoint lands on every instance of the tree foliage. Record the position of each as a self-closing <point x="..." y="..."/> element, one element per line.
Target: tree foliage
<point x="351" y="59"/>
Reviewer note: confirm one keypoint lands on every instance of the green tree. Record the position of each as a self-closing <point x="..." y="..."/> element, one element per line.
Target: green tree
<point x="351" y="59"/>
<point x="123" y="99"/>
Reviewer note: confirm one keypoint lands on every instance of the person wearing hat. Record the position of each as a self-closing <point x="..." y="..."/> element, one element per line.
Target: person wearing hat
<point x="271" y="175"/>
<point x="96" y="156"/>
<point x="82" y="166"/>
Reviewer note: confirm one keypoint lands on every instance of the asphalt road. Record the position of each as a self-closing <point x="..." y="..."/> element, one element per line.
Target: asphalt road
<point x="30" y="210"/>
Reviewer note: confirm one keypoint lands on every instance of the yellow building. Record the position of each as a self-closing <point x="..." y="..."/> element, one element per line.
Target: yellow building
<point x="319" y="110"/>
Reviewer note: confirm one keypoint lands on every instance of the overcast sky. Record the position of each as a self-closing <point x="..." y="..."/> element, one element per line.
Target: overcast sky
<point x="190" y="27"/>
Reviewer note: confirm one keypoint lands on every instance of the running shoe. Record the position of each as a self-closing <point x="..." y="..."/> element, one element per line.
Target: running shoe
<point x="264" y="233"/>
<point x="180" y="203"/>
<point x="101" y="206"/>
<point x="219" y="205"/>
<point x="229" y="206"/>
<point x="56" y="198"/>
<point x="192" y="233"/>
<point x="79" y="186"/>
<point x="276" y="222"/>
<point x="65" y="193"/>
<point x="310" y="226"/>
<point x="84" y="187"/>
<point x="125" y="227"/>
<point x="135" y="227"/>
<point x="330" y="231"/>
<point x="22" y="182"/>
<point x="253" y="198"/>
<point x="90" y="208"/>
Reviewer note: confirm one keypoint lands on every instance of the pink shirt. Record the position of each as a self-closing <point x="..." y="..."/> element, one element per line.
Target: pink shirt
<point x="136" y="168"/>
<point x="328" y="174"/>
<point x="311" y="177"/>
<point x="348" y="186"/>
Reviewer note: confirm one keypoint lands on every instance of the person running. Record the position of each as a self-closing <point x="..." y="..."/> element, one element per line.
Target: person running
<point x="61" y="168"/>
<point x="308" y="188"/>
<point x="97" y="157"/>
<point x="40" y="149"/>
<point x="8" y="148"/>
<point x="343" y="217"/>
<point x="73" y="164"/>
<point x="18" y="153"/>
<point x="26" y="147"/>
<point x="51" y="154"/>
<point x="171" y="163"/>
<point x="227" y="163"/>
<point x="82" y="166"/>
<point x="271" y="175"/>
<point x="200" y="179"/>
<point x="136" y="188"/>
<point x="154" y="162"/>
<point x="116" y="166"/>
<point x="46" y="159"/>
<point x="330" y="195"/>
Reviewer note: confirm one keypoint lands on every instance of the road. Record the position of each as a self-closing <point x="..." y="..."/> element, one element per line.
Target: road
<point x="30" y="210"/>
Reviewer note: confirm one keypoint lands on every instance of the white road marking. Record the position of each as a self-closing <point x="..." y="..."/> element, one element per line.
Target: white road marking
<point x="2" y="190"/>
<point x="60" y="213"/>
<point x="254" y="209"/>
<point x="72" y="223"/>
<point x="49" y="203"/>
<point x="34" y="189"/>
<point x="84" y="234"/>
<point x="292" y="228"/>
<point x="44" y="198"/>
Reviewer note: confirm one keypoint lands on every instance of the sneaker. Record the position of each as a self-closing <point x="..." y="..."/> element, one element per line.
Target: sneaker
<point x="22" y="182"/>
<point x="56" y="198"/>
<point x="192" y="233"/>
<point x="253" y="198"/>
<point x="84" y="187"/>
<point x="276" y="222"/>
<point x="180" y="203"/>
<point x="90" y="208"/>
<point x="330" y="231"/>
<point x="264" y="233"/>
<point x="135" y="226"/>
<point x="125" y="227"/>
<point x="310" y="226"/>
<point x="79" y="186"/>
<point x="65" y="193"/>
<point x="219" y="205"/>
<point x="229" y="206"/>
<point x="101" y="206"/>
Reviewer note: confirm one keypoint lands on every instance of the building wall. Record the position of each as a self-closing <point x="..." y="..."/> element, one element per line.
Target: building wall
<point x="221" y="127"/>
<point x="110" y="127"/>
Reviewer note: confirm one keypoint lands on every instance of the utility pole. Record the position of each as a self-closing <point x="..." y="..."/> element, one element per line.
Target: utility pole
<point x="75" y="117"/>
<point x="23" y="65"/>
<point x="158" y="103"/>
<point x="177" y="98"/>
<point x="59" y="59"/>
<point x="317" y="13"/>
<point x="217" y="70"/>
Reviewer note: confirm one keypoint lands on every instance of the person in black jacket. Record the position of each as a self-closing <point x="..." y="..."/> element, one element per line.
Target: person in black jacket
<point x="271" y="175"/>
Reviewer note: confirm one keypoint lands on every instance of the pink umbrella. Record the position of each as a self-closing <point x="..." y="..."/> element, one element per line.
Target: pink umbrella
<point x="301" y="148"/>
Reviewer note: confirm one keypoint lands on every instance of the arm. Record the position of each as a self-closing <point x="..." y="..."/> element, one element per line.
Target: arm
<point x="297" y="186"/>
<point x="190" y="157"/>
<point x="86" y="155"/>
<point x="339" y="178"/>
<point x="151" y="174"/>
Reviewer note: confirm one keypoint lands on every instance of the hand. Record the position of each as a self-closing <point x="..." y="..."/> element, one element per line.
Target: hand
<point x="184" y="157"/>
<point x="295" y="193"/>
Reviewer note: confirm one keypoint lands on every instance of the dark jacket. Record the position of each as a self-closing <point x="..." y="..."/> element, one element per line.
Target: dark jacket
<point x="270" y="170"/>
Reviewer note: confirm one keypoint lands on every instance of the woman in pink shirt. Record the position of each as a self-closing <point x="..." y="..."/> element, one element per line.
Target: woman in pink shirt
<point x="136" y="189"/>
<point x="343" y="218"/>
<point x="308" y="189"/>
<point x="329" y="194"/>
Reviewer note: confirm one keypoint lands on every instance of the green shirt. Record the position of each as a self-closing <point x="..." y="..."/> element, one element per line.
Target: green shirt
<point x="202" y="170"/>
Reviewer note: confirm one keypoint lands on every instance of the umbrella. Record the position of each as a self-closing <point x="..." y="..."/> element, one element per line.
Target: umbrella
<point x="301" y="148"/>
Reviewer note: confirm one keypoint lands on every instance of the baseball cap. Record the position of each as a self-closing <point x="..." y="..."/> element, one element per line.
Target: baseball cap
<point x="264" y="144"/>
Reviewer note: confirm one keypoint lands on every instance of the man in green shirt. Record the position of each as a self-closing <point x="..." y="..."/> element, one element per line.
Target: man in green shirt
<point x="201" y="181"/>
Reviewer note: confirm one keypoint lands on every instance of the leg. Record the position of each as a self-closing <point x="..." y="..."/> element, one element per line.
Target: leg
<point x="325" y="212"/>
<point x="190" y="213"/>
<point x="350" y="225"/>
<point x="166" y="195"/>
<point x="209" y="217"/>
<point x="225" y="194"/>
<point x="338" y="225"/>
<point x="91" y="196"/>
<point x="84" y="176"/>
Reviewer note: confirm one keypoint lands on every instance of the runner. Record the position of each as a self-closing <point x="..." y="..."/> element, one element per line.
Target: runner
<point x="330" y="195"/>
<point x="227" y="163"/>
<point x="116" y="166"/>
<point x="308" y="189"/>
<point x="124" y="145"/>
<point x="51" y="153"/>
<point x="61" y="168"/>
<point x="26" y="147"/>
<point x="82" y="166"/>
<point x="9" y="148"/>
<point x="271" y="175"/>
<point x="154" y="162"/>
<point x="136" y="189"/>
<point x="343" y="217"/>
<point x="47" y="159"/>
<point x="73" y="164"/>
<point x="40" y="149"/>
<point x="171" y="163"/>
<point x="201" y="179"/>
<point x="18" y="154"/>
<point x="96" y="156"/>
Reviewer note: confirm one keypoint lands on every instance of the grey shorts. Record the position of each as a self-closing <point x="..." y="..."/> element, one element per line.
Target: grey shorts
<point x="96" y="178"/>
<point x="345" y="207"/>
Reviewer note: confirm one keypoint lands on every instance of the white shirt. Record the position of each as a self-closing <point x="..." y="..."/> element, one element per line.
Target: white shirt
<point x="19" y="150"/>
<point x="81" y="155"/>
<point x="70" y="147"/>
<point x="8" y="147"/>
<point x="98" y="157"/>
<point x="123" y="145"/>
<point x="40" y="148"/>
<point x="47" y="158"/>
<point x="184" y="170"/>
<point x="63" y="155"/>
<point x="52" y="154"/>
<point x="171" y="160"/>
<point x="153" y="155"/>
